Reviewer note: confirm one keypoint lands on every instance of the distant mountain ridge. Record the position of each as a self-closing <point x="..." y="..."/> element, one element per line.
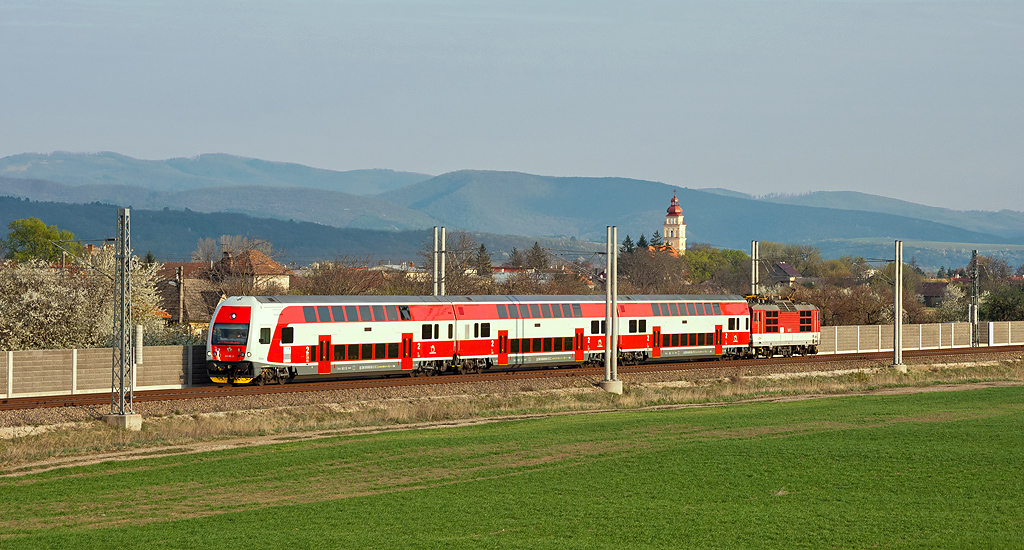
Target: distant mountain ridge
<point x="209" y="170"/>
<point x="514" y="203"/>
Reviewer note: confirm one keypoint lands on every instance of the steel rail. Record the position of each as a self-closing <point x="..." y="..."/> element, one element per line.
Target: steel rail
<point x="313" y="385"/>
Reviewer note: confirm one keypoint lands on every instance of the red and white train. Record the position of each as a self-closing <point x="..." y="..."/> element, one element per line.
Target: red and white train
<point x="264" y="339"/>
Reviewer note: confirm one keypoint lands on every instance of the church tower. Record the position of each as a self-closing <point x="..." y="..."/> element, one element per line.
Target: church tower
<point x="674" y="233"/>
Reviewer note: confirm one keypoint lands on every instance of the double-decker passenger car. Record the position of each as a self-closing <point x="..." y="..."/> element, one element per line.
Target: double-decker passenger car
<point x="272" y="338"/>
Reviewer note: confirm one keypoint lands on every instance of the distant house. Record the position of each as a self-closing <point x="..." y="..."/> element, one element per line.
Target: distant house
<point x="782" y="273"/>
<point x="932" y="292"/>
<point x="190" y="291"/>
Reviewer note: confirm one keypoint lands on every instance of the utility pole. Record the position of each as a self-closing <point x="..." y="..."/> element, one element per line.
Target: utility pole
<point x="755" y="253"/>
<point x="123" y="353"/>
<point x="610" y="383"/>
<point x="897" y="327"/>
<point x="975" y="301"/>
<point x="443" y="254"/>
<point x="434" y="265"/>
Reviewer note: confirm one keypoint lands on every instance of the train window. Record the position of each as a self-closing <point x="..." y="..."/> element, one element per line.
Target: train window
<point x="545" y="311"/>
<point x="675" y="340"/>
<point x="312" y="353"/>
<point x="547" y="344"/>
<point x="325" y="314"/>
<point x="436" y="333"/>
<point x="265" y="335"/>
<point x="309" y="314"/>
<point x="451" y="331"/>
<point x="710" y="339"/>
<point x="378" y="313"/>
<point x="700" y="339"/>
<point x="427" y="332"/>
<point x="700" y="308"/>
<point x="393" y="350"/>
<point x="380" y="351"/>
<point x="666" y="340"/>
<point x="287" y="335"/>
<point x="655" y="310"/>
<point x="747" y="323"/>
<point x="558" y="344"/>
<point x="502" y="311"/>
<point x="339" y="352"/>
<point x="664" y="309"/>
<point x="732" y="324"/>
<point x="535" y="311"/>
<point x="485" y="330"/>
<point x="595" y="326"/>
<point x="366" y="351"/>
<point x="364" y="313"/>
<point x="476" y="330"/>
<point x="515" y="345"/>
<point x="674" y="308"/>
<point x="556" y="311"/>
<point x="338" y="313"/>
<point x="604" y="327"/>
<point x="577" y="311"/>
<point x="690" y="310"/>
<point x="513" y="311"/>
<point x="404" y="313"/>
<point x="524" y="311"/>
<point x="392" y="313"/>
<point x="717" y="308"/>
<point x="353" y="352"/>
<point x="632" y="325"/>
<point x="566" y="310"/>
<point x="707" y="309"/>
<point x="351" y="313"/>
<point x="567" y="343"/>
<point x="536" y="344"/>
<point x="643" y="325"/>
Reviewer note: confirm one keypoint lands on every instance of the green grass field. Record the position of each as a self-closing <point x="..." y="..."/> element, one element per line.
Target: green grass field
<point x="931" y="470"/>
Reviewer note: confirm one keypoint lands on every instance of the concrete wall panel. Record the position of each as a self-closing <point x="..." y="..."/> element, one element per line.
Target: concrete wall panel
<point x="42" y="371"/>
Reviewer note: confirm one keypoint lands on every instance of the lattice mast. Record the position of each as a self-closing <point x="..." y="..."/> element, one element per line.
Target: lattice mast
<point x="123" y="344"/>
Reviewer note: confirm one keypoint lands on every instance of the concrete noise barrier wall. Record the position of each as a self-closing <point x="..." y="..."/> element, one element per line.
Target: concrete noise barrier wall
<point x="32" y="373"/>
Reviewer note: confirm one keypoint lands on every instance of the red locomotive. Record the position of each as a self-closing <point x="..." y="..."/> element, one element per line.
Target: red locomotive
<point x="264" y="339"/>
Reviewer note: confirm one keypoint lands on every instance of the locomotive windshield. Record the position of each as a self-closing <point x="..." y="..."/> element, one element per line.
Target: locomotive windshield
<point x="229" y="333"/>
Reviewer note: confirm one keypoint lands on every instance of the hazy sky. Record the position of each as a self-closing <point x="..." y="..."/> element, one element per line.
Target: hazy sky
<point x="918" y="100"/>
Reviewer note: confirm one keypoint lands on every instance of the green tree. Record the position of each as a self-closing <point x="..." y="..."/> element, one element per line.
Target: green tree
<point x="537" y="258"/>
<point x="642" y="243"/>
<point x="482" y="262"/>
<point x="627" y="245"/>
<point x="656" y="240"/>
<point x="1005" y="304"/>
<point x="516" y="259"/>
<point x="31" y="239"/>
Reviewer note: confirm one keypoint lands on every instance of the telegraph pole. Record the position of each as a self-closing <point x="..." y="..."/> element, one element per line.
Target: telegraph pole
<point x="975" y="292"/>
<point x="434" y="264"/>
<point x="897" y="327"/>
<point x="123" y="353"/>
<point x="755" y="253"/>
<point x="443" y="253"/>
<point x="610" y="384"/>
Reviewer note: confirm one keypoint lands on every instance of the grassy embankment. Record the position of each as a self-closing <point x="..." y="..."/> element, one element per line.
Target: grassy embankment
<point x="180" y="429"/>
<point x="937" y="469"/>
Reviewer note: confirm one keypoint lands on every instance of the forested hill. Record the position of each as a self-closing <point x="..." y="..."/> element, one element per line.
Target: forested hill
<point x="173" y="234"/>
<point x="212" y="170"/>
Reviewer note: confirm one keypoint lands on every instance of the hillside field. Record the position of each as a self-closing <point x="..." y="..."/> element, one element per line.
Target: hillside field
<point x="937" y="470"/>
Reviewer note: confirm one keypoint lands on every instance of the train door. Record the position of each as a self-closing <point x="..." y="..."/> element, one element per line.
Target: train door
<point x="656" y="348"/>
<point x="718" y="339"/>
<point x="579" y="345"/>
<point x="407" y="351"/>
<point x="502" y="347"/>
<point x="323" y="359"/>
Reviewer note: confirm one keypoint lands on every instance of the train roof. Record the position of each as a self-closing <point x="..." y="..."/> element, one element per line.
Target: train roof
<point x="300" y="300"/>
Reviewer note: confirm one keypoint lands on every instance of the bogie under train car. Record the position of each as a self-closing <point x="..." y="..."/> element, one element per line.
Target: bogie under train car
<point x="263" y="339"/>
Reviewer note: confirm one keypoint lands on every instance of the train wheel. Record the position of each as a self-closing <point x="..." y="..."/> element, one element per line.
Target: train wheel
<point x="281" y="379"/>
<point x="258" y="381"/>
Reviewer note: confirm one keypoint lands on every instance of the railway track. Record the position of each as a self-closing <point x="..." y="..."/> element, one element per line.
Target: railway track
<point x="214" y="390"/>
